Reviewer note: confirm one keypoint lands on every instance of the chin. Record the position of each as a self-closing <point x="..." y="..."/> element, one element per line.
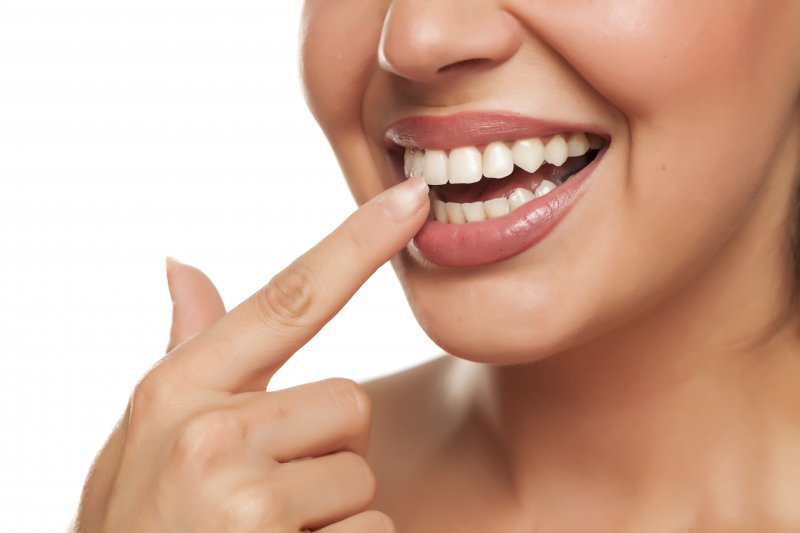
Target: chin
<point x="497" y="316"/>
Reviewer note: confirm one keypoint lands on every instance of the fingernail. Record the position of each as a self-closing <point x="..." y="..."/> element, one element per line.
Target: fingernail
<point x="171" y="263"/>
<point x="405" y="199"/>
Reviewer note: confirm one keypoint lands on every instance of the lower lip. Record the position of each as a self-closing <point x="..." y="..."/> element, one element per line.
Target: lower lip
<point x="491" y="241"/>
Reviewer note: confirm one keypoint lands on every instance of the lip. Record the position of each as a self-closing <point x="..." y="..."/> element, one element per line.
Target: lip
<point x="491" y="241"/>
<point x="474" y="128"/>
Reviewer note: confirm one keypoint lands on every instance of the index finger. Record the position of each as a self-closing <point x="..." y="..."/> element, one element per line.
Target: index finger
<point x="243" y="349"/>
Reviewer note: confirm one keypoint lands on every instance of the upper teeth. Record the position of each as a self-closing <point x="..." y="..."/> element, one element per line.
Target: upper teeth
<point x="468" y="165"/>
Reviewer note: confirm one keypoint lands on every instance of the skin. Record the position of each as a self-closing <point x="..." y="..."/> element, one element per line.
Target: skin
<point x="202" y="445"/>
<point x="665" y="393"/>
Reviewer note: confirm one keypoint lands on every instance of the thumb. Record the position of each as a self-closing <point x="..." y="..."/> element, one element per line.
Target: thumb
<point x="196" y="304"/>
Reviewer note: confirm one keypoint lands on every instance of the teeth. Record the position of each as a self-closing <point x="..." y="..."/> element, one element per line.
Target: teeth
<point x="498" y="161"/>
<point x="544" y="188"/>
<point x="474" y="212"/>
<point x="413" y="163"/>
<point x="519" y="198"/>
<point x="555" y="151"/>
<point x="528" y="154"/>
<point x="465" y="165"/>
<point x="496" y="208"/>
<point x="440" y="211"/>
<point x="455" y="214"/>
<point x="577" y="144"/>
<point x="434" y="167"/>
<point x="595" y="141"/>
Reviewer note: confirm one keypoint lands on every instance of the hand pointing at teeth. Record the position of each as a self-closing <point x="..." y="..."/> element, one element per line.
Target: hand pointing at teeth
<point x="203" y="447"/>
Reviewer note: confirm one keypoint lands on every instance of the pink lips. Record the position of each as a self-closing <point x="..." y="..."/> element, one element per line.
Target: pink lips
<point x="494" y="240"/>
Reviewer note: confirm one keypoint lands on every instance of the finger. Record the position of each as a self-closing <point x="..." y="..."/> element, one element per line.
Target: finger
<point x="309" y="420"/>
<point x="196" y="304"/>
<point x="247" y="346"/>
<point x="367" y="522"/>
<point x="327" y="489"/>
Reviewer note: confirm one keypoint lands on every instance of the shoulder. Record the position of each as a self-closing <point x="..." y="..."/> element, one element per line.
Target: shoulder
<point x="414" y="413"/>
<point x="404" y="403"/>
<point x="405" y="414"/>
<point x="427" y="437"/>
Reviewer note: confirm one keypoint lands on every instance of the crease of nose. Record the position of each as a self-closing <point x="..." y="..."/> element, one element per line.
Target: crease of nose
<point x="429" y="40"/>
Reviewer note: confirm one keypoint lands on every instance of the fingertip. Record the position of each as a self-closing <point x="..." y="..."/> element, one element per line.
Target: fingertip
<point x="403" y="201"/>
<point x="196" y="303"/>
<point x="184" y="280"/>
<point x="178" y="271"/>
<point x="171" y="264"/>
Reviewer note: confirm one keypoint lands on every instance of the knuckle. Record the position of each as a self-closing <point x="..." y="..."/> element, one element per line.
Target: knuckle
<point x="275" y="411"/>
<point x="206" y="439"/>
<point x="149" y="398"/>
<point x="353" y="400"/>
<point x="251" y="507"/>
<point x="287" y="297"/>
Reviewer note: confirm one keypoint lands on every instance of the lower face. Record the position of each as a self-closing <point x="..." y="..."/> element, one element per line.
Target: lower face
<point x="606" y="157"/>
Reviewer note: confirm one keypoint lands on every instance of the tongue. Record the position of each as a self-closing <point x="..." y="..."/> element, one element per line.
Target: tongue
<point x="489" y="188"/>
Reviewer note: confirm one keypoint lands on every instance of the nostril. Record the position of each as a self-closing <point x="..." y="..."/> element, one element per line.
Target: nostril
<point x="466" y="63"/>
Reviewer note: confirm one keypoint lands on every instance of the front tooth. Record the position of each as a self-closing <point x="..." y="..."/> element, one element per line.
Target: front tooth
<point x="496" y="207"/>
<point x="434" y="167"/>
<point x="474" y="212"/>
<point x="465" y="165"/>
<point x="417" y="163"/>
<point x="412" y="162"/>
<point x="528" y="154"/>
<point x="577" y="144"/>
<point x="498" y="161"/>
<point x="440" y="211"/>
<point x="519" y="198"/>
<point x="544" y="188"/>
<point x="455" y="215"/>
<point x="555" y="151"/>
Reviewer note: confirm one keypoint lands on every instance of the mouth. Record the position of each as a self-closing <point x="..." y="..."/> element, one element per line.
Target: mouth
<point x="499" y="182"/>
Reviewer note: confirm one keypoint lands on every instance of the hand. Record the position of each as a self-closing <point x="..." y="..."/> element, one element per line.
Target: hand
<point x="203" y="447"/>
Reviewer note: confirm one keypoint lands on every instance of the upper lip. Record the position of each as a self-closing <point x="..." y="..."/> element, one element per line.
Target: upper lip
<point x="474" y="128"/>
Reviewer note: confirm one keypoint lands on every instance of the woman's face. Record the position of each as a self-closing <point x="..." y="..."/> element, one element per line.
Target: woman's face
<point x="693" y="103"/>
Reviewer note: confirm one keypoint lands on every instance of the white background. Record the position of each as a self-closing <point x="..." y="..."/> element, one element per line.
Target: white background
<point x="131" y="130"/>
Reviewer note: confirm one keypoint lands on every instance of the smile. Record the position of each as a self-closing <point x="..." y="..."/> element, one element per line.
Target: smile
<point x="499" y="182"/>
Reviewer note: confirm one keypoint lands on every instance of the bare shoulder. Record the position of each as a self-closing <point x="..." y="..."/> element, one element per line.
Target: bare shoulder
<point x="405" y="406"/>
<point x="407" y="410"/>
<point x="431" y="453"/>
<point x="416" y="411"/>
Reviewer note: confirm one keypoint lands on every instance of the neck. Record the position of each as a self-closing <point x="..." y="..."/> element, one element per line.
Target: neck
<point x="684" y="406"/>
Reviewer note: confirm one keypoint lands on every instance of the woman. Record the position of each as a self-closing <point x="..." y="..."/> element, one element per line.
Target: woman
<point x="603" y="200"/>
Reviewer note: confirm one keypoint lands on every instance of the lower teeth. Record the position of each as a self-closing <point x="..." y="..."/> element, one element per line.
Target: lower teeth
<point x="458" y="213"/>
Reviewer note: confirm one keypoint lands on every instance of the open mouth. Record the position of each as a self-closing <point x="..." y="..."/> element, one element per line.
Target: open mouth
<point x="473" y="183"/>
<point x="499" y="182"/>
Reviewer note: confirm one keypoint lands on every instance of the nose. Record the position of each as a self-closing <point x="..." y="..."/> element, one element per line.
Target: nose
<point x="427" y="40"/>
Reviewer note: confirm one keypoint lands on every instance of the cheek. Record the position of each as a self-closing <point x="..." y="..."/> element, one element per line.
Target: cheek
<point x="339" y="43"/>
<point x="706" y="91"/>
<point x="645" y="54"/>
